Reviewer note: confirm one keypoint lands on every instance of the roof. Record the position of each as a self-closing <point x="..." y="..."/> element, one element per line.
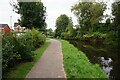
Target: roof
<point x="15" y="24"/>
<point x="3" y="25"/>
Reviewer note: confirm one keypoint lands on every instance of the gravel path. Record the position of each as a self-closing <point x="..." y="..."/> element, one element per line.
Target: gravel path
<point x="50" y="65"/>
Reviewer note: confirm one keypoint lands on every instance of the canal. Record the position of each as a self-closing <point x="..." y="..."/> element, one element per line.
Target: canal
<point x="104" y="55"/>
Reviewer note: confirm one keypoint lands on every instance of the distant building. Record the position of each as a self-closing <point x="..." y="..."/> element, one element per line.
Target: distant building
<point x="4" y="29"/>
<point x="15" y="24"/>
<point x="18" y="28"/>
<point x="15" y="27"/>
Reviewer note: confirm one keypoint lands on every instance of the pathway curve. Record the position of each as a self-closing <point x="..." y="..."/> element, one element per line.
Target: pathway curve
<point x="50" y="65"/>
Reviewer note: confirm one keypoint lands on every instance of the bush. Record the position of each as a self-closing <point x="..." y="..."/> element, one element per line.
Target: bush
<point x="9" y="53"/>
<point x="96" y="35"/>
<point x="112" y="38"/>
<point x="20" y="48"/>
<point x="31" y="40"/>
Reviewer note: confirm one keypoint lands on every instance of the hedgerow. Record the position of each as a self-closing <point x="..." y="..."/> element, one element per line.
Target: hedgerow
<point x="20" y="48"/>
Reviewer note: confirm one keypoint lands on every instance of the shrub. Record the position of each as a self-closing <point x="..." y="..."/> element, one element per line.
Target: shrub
<point x="20" y="48"/>
<point x="31" y="40"/>
<point x="111" y="38"/>
<point x="9" y="53"/>
<point x="95" y="35"/>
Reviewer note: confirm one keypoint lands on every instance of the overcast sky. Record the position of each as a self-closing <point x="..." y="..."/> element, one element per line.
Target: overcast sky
<point x="57" y="7"/>
<point x="54" y="9"/>
<point x="6" y="12"/>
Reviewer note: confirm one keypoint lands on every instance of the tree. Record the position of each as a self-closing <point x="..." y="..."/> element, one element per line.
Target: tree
<point x="116" y="20"/>
<point x="69" y="32"/>
<point x="69" y="29"/>
<point x="116" y="28"/>
<point x="61" y="24"/>
<point x="107" y="25"/>
<point x="89" y="14"/>
<point x="31" y="14"/>
<point x="82" y="12"/>
<point x="116" y="23"/>
<point x="50" y="32"/>
<point x="116" y="14"/>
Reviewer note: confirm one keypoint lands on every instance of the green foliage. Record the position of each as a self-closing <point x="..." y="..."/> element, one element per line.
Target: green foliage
<point x="116" y="13"/>
<point x="21" y="70"/>
<point x="116" y="23"/>
<point x="68" y="31"/>
<point x="65" y="35"/>
<point x="88" y="14"/>
<point x="9" y="53"/>
<point x="111" y="38"/>
<point x="20" y="48"/>
<point x="32" y="14"/>
<point x="82" y="12"/>
<point x="90" y="28"/>
<point x="50" y="33"/>
<point x="33" y="39"/>
<point x="61" y="24"/>
<point x="95" y="35"/>
<point x="77" y="65"/>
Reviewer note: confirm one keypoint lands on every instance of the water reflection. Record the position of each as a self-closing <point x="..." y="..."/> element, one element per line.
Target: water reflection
<point x="104" y="55"/>
<point x="106" y="65"/>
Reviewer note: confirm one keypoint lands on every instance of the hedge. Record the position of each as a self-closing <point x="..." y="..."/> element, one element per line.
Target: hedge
<point x="20" y="48"/>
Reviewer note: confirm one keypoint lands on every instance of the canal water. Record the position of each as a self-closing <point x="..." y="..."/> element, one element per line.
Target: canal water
<point x="104" y="55"/>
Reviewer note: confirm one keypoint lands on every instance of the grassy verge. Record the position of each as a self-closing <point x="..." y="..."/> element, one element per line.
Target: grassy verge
<point x="21" y="70"/>
<point x="77" y="65"/>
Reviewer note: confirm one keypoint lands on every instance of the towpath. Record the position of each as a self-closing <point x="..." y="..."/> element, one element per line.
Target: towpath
<point x="50" y="65"/>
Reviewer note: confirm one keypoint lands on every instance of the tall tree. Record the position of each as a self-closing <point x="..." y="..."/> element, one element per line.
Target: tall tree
<point x="61" y="24"/>
<point x="116" y="28"/>
<point x="82" y="12"/>
<point x="88" y="14"/>
<point x="116" y="20"/>
<point x="116" y="14"/>
<point x="50" y="32"/>
<point x="32" y="14"/>
<point x="69" y="29"/>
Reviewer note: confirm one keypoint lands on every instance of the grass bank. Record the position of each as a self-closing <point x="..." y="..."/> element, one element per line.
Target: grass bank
<point x="21" y="70"/>
<point x="77" y="65"/>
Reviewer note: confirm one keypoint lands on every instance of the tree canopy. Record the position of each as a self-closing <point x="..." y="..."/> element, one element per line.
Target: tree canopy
<point x="69" y="30"/>
<point x="116" y="14"/>
<point x="88" y="14"/>
<point x="61" y="24"/>
<point x="32" y="14"/>
<point x="116" y="22"/>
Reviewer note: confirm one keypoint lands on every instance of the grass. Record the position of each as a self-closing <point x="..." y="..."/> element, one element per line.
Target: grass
<point x="21" y="70"/>
<point x="77" y="65"/>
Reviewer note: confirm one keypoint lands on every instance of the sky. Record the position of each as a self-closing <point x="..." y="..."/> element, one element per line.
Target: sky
<point x="5" y="12"/>
<point x="54" y="9"/>
<point x="57" y="7"/>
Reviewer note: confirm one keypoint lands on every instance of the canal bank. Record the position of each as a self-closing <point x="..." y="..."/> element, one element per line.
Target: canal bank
<point x="104" y="55"/>
<point x="77" y="65"/>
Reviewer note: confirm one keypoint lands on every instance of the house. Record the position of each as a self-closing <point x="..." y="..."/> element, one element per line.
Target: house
<point x="4" y="29"/>
<point x="18" y="28"/>
<point x="15" y="27"/>
<point x="15" y="24"/>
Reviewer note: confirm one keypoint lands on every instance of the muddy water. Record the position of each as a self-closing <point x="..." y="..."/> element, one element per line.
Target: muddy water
<point x="104" y="55"/>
